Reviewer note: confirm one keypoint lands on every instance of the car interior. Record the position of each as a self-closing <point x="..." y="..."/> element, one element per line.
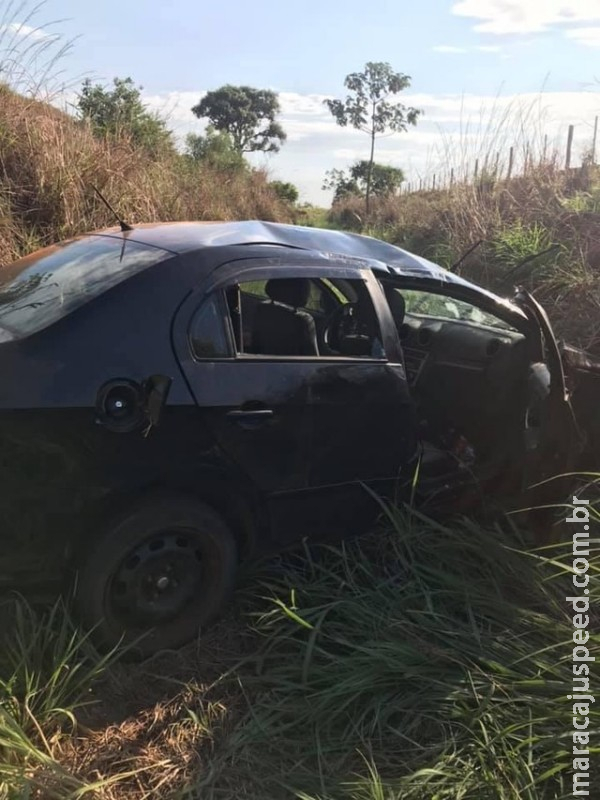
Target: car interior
<point x="467" y="370"/>
<point x="304" y="317"/>
<point x="279" y="325"/>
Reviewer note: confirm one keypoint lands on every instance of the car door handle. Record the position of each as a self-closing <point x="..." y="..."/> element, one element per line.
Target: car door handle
<point x="250" y="418"/>
<point x="254" y="412"/>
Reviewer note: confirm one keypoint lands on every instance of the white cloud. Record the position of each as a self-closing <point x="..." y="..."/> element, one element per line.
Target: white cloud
<point x="176" y="108"/>
<point x="454" y="130"/>
<point x="526" y="16"/>
<point x="347" y="154"/>
<point x="294" y="103"/>
<point x="590" y="37"/>
<point x="26" y="31"/>
<point x="301" y="114"/>
<point x="453" y="49"/>
<point x="448" y="48"/>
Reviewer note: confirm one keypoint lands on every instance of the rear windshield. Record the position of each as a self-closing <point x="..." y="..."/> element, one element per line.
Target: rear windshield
<point x="39" y="289"/>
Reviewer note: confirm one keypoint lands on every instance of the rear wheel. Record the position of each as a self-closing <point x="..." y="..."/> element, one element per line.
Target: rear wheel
<point x="160" y="572"/>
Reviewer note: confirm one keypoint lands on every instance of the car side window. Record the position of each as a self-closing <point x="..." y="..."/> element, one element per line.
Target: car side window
<point x="304" y="317"/>
<point x="208" y="332"/>
<point x="418" y="303"/>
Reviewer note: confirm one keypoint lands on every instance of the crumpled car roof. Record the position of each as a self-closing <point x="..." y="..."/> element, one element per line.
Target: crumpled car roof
<point x="184" y="237"/>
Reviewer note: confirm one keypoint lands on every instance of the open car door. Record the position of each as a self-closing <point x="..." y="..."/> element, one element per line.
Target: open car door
<point x="554" y="440"/>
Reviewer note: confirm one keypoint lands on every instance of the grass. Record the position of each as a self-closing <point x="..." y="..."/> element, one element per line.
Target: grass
<point x="431" y="662"/>
<point x="422" y="661"/>
<point x="47" y="669"/>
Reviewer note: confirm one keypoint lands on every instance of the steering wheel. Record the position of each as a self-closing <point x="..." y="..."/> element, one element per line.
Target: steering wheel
<point x="339" y="323"/>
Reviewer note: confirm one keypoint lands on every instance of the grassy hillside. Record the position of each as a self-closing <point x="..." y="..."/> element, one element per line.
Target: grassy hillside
<point x="49" y="163"/>
<point x="515" y="219"/>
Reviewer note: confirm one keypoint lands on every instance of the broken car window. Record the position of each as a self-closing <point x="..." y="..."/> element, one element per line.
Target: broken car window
<point x="430" y="304"/>
<point x="304" y="317"/>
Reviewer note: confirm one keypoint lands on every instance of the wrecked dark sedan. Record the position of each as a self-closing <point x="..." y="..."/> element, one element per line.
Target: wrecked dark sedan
<point x="176" y="398"/>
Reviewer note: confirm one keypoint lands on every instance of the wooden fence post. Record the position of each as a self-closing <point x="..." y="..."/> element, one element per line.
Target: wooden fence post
<point x="476" y="171"/>
<point x="433" y="183"/>
<point x="593" y="153"/>
<point x="511" y="161"/>
<point x="569" y="146"/>
<point x="545" y="150"/>
<point x="451" y="177"/>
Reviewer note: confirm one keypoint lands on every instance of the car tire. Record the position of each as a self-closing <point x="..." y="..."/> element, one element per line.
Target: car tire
<point x="161" y="570"/>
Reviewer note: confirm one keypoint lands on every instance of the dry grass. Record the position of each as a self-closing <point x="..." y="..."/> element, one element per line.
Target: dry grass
<point x="135" y="731"/>
<point x="544" y="206"/>
<point x="49" y="164"/>
<point x="157" y="724"/>
<point x="157" y="750"/>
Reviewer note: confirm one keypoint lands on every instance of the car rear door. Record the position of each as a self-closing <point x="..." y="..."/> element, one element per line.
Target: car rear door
<point x="303" y="428"/>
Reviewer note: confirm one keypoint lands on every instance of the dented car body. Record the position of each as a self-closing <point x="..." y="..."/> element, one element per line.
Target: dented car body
<point x="178" y="397"/>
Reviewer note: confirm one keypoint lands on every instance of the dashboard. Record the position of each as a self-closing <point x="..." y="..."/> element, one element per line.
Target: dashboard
<point x="454" y="344"/>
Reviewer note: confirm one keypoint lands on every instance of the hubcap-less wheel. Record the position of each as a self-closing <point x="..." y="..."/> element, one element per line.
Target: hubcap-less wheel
<point x="157" y="580"/>
<point x="160" y="572"/>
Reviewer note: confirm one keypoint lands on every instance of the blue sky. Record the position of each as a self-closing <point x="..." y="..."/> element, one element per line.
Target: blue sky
<point x="469" y="60"/>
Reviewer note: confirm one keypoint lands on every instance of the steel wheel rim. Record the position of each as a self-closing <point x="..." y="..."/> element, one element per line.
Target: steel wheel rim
<point x="158" y="579"/>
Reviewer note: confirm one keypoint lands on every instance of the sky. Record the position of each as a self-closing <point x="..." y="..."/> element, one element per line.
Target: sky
<point x="488" y="74"/>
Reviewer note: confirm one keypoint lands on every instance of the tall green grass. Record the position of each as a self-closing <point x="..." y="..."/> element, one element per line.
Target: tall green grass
<point x="47" y="670"/>
<point x="427" y="662"/>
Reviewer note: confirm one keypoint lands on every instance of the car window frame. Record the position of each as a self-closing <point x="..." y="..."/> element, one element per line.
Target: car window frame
<point x="233" y="273"/>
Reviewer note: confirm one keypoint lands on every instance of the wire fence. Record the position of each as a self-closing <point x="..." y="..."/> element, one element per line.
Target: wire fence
<point x="493" y="168"/>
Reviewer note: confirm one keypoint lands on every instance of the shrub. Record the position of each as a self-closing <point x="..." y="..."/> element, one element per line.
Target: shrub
<point x="285" y="191"/>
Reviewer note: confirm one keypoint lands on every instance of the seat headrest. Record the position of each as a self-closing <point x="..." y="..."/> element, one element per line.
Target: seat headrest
<point x="289" y="291"/>
<point x="396" y="303"/>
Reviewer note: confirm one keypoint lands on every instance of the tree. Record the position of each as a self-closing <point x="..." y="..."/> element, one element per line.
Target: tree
<point x="246" y="114"/>
<point x="285" y="191"/>
<point x="369" y="108"/>
<point x="341" y="184"/>
<point x="385" y="180"/>
<point x="120" y="111"/>
<point x="215" y="149"/>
